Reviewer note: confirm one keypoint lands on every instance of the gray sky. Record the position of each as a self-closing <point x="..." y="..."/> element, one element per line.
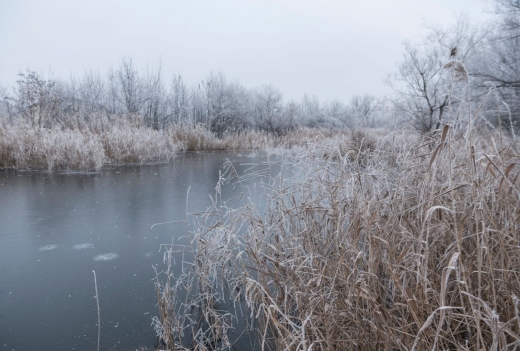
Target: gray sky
<point x="328" y="48"/>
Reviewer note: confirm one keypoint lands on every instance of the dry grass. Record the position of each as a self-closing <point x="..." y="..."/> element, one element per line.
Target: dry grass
<point x="392" y="246"/>
<point x="126" y="141"/>
<point x="198" y="138"/>
<point x="26" y="148"/>
<point x="23" y="147"/>
<point x="126" y="144"/>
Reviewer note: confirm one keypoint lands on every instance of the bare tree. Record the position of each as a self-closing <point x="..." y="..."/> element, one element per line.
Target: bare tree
<point x="93" y="95"/>
<point x="509" y="11"/>
<point x="339" y="111"/>
<point x="227" y="105"/>
<point x="291" y="112"/>
<point x="126" y="88"/>
<point x="362" y="110"/>
<point x="153" y="100"/>
<point x="500" y="65"/>
<point x="418" y="85"/>
<point x="198" y="105"/>
<point x="6" y="105"/>
<point x="37" y="99"/>
<point x="423" y="87"/>
<point x="179" y="102"/>
<point x="268" y="109"/>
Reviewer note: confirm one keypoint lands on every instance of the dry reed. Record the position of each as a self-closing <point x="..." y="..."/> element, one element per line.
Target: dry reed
<point x="381" y="242"/>
<point x="123" y="140"/>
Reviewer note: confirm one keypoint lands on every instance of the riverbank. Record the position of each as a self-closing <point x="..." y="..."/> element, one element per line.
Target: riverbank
<point x="24" y="147"/>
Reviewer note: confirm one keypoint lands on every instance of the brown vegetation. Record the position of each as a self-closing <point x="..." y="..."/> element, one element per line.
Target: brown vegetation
<point x="400" y="245"/>
<point x="122" y="141"/>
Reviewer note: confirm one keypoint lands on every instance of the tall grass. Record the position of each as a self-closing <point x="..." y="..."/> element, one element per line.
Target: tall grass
<point x="23" y="147"/>
<point x="126" y="141"/>
<point x="61" y="148"/>
<point x="380" y="242"/>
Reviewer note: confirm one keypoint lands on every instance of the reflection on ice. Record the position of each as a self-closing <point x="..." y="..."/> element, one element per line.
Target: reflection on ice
<point x="106" y="257"/>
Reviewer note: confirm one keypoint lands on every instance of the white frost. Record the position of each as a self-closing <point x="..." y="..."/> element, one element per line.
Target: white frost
<point x="48" y="247"/>
<point x="106" y="257"/>
<point x="83" y="246"/>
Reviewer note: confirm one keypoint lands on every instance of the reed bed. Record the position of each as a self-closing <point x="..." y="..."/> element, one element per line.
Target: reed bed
<point x="117" y="141"/>
<point x="381" y="241"/>
<point x="198" y="138"/>
<point x="22" y="147"/>
<point x="126" y="144"/>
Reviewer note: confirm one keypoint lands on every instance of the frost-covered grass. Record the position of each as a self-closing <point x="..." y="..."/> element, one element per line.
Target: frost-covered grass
<point x="23" y="147"/>
<point x="124" y="141"/>
<point x="124" y="144"/>
<point x="384" y="241"/>
<point x="83" y="246"/>
<point x="88" y="149"/>
<point x="106" y="257"/>
<point x="49" y="247"/>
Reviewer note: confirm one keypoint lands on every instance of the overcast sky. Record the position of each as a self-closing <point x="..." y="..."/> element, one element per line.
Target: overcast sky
<point x="329" y="48"/>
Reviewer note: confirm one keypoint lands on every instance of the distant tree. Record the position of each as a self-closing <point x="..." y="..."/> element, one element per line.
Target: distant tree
<point x="362" y="110"/>
<point x="37" y="99"/>
<point x="179" y="100"/>
<point x="134" y="94"/>
<point x="93" y="95"/>
<point x="291" y="112"/>
<point x="6" y="105"/>
<point x="314" y="114"/>
<point x="268" y="110"/>
<point x="339" y="111"/>
<point x="227" y="105"/>
<point x="126" y="89"/>
<point x="154" y="100"/>
<point x="70" y="104"/>
<point x="198" y="110"/>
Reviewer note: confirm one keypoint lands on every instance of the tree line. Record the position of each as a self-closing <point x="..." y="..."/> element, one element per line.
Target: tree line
<point x="445" y="74"/>
<point x="221" y="105"/>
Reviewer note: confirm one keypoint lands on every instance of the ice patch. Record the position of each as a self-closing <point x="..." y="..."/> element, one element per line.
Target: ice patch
<point x="83" y="246"/>
<point x="106" y="257"/>
<point x="48" y="247"/>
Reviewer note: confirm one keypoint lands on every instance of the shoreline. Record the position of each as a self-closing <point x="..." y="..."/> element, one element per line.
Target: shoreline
<point x="33" y="149"/>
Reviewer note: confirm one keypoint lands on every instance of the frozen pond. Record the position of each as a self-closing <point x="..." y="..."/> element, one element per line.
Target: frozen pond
<point x="56" y="228"/>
